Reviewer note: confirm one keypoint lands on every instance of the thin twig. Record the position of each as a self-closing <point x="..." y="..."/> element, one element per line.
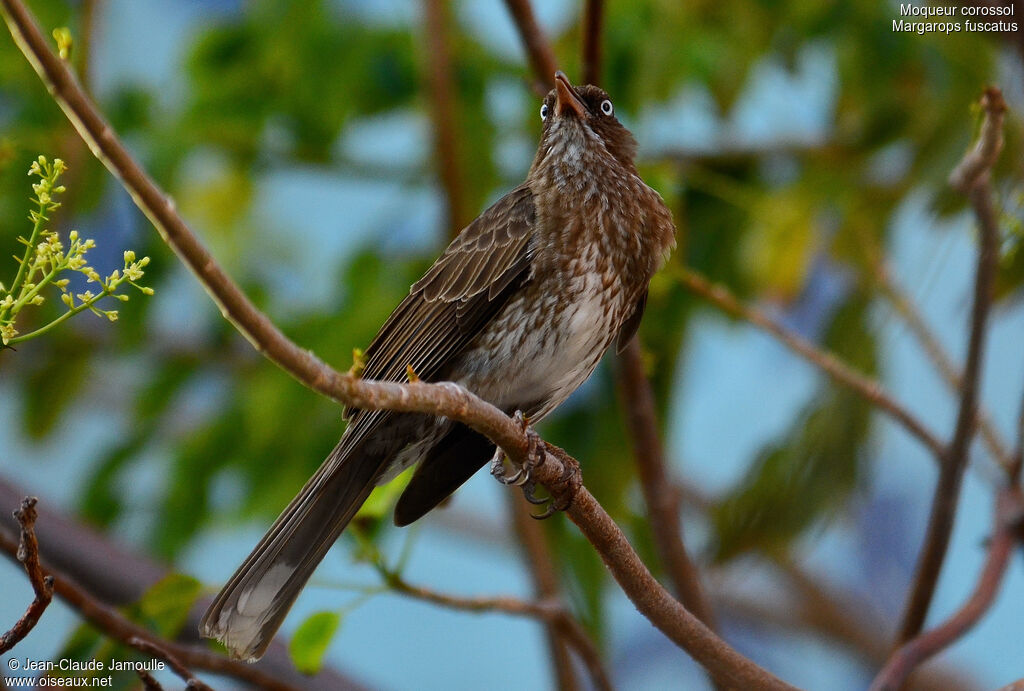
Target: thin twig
<point x="116" y="626"/>
<point x="540" y="563"/>
<point x="156" y="650"/>
<point x="839" y="371"/>
<point x="538" y="50"/>
<point x="545" y="610"/>
<point x="593" y="22"/>
<point x="662" y="501"/>
<point x="1017" y="460"/>
<point x="905" y="307"/>
<point x="42" y="584"/>
<point x="444" y="112"/>
<point x="444" y="399"/>
<point x="971" y="176"/>
<point x="1009" y="513"/>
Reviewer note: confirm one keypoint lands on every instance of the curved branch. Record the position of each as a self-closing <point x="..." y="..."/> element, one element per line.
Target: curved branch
<point x="971" y="177"/>
<point x="443" y="399"/>
<point x="1009" y="508"/>
<point x="551" y="611"/>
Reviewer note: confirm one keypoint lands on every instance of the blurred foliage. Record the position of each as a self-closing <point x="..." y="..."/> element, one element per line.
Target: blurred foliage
<point x="272" y="85"/>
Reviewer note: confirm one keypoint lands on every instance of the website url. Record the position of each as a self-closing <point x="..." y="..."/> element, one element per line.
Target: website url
<point x="59" y="682"/>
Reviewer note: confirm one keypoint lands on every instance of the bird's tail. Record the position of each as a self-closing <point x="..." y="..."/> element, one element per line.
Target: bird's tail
<point x="250" y="608"/>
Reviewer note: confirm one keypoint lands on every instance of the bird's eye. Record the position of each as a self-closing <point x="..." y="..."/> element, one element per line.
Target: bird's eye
<point x="544" y="112"/>
<point x="606" y="107"/>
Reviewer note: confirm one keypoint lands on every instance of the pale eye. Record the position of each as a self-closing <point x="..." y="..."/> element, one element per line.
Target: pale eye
<point x="606" y="107"/>
<point x="544" y="112"/>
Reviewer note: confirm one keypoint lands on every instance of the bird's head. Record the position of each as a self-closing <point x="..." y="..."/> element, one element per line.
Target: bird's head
<point x="582" y="118"/>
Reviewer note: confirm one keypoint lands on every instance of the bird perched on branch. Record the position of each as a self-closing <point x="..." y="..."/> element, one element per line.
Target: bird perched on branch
<point x="518" y="309"/>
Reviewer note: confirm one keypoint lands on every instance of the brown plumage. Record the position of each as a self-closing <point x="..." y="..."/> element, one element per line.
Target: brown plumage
<point x="518" y="309"/>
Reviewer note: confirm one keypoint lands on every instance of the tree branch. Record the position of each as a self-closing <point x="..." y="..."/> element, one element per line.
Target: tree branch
<point x="971" y="177"/>
<point x="1008" y="515"/>
<point x="904" y="305"/>
<point x="546" y="610"/>
<point x="117" y="627"/>
<point x="662" y="501"/>
<point x="27" y="552"/>
<point x="835" y="368"/>
<point x="593" y="21"/>
<point x="538" y="50"/>
<point x="157" y="651"/>
<point x="86" y="557"/>
<point x="541" y="565"/>
<point x="444" y="399"/>
<point x="444" y="111"/>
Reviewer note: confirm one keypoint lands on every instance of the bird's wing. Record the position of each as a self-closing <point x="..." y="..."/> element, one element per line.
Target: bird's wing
<point x="454" y="301"/>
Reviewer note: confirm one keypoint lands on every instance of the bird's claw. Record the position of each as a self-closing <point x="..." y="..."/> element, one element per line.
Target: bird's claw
<point x="561" y="492"/>
<point x="534" y="456"/>
<point x="528" y="494"/>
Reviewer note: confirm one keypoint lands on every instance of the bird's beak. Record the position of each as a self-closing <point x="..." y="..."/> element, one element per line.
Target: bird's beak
<point x="566" y="98"/>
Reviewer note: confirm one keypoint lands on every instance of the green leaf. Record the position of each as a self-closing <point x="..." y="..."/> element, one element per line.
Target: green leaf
<point x="166" y="605"/>
<point x="310" y="641"/>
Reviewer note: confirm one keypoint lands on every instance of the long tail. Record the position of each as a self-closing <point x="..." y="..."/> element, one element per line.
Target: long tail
<point x="250" y="608"/>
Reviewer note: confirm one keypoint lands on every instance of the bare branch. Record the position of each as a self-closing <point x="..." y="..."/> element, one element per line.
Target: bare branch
<point x="116" y="626"/>
<point x="972" y="177"/>
<point x="1009" y="513"/>
<point x="1017" y="459"/>
<point x="85" y="557"/>
<point x="538" y="50"/>
<point x="444" y="111"/>
<point x="552" y="611"/>
<point x="909" y="312"/>
<point x="974" y="169"/>
<point x="42" y="585"/>
<point x="657" y="486"/>
<point x="838" y="370"/>
<point x="444" y="399"/>
<point x="593" y="21"/>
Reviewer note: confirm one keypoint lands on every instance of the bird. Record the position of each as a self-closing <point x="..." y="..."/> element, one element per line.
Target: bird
<point x="519" y="309"/>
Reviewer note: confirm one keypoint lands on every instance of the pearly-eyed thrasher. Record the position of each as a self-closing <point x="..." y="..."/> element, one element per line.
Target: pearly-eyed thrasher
<point x="518" y="309"/>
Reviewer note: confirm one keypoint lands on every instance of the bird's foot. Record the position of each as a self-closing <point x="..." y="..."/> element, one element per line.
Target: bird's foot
<point x="561" y="491"/>
<point x="534" y="455"/>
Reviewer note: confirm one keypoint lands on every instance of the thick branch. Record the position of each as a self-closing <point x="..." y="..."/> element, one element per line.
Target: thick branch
<point x="838" y="370"/>
<point x="444" y="399"/>
<point x="971" y="176"/>
<point x="27" y="553"/>
<point x="657" y="486"/>
<point x="444" y="112"/>
<point x="1009" y="512"/>
<point x="538" y="50"/>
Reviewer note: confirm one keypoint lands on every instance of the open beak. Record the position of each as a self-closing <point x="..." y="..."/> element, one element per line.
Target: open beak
<point x="566" y="98"/>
